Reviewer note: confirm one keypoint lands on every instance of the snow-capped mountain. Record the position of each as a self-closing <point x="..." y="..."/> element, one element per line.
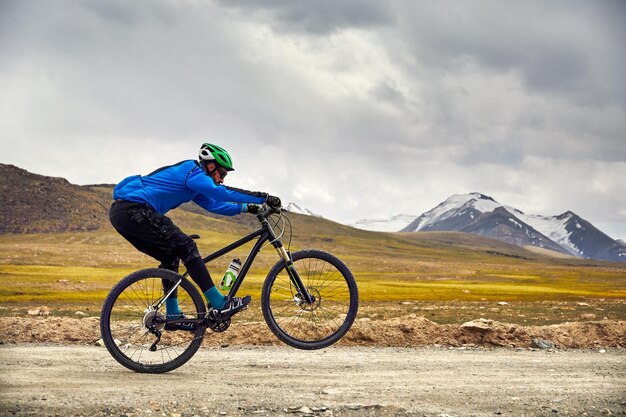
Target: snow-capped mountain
<point x="479" y="214"/>
<point x="482" y="215"/>
<point x="395" y="223"/>
<point x="294" y="208"/>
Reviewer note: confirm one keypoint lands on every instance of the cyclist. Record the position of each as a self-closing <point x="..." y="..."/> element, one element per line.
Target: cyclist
<point x="141" y="202"/>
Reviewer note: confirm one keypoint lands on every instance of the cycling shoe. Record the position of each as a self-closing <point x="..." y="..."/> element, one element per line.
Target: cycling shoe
<point x="232" y="307"/>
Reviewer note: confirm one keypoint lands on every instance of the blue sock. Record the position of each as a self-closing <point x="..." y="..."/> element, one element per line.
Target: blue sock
<point x="215" y="297"/>
<point x="171" y="307"/>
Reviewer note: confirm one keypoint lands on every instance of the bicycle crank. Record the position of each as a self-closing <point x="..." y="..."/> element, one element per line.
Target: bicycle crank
<point x="215" y="324"/>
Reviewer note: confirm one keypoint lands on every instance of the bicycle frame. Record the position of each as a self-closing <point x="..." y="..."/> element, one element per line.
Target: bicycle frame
<point x="264" y="234"/>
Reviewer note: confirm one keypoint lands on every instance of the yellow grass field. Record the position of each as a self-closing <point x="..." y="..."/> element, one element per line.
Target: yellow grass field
<point x="447" y="277"/>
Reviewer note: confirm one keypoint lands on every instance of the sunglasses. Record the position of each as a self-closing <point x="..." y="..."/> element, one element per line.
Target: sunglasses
<point x="222" y="173"/>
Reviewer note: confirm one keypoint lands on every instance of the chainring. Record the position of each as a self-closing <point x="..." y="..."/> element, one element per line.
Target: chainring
<point x="217" y="325"/>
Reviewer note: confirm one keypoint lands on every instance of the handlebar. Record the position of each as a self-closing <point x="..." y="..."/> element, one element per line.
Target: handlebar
<point x="268" y="211"/>
<point x="277" y="226"/>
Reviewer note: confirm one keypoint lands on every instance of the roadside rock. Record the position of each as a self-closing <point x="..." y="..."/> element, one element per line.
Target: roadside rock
<point x="100" y="342"/>
<point x="300" y="410"/>
<point x="481" y="325"/>
<point x="40" y="311"/>
<point x="543" y="344"/>
<point x="410" y="330"/>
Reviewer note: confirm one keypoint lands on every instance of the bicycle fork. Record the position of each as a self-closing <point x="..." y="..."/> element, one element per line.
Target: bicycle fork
<point x="293" y="273"/>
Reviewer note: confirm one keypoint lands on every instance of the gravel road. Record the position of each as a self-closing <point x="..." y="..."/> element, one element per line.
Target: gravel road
<point x="340" y="381"/>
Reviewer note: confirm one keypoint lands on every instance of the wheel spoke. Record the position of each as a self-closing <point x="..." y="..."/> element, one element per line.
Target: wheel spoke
<point x="328" y="317"/>
<point x="130" y="322"/>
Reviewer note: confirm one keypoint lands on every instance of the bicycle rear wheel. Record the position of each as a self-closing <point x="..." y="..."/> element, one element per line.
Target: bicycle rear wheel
<point x="328" y="318"/>
<point x="130" y="320"/>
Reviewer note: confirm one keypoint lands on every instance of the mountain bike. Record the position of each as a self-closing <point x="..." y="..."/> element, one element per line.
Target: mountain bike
<point x="309" y="300"/>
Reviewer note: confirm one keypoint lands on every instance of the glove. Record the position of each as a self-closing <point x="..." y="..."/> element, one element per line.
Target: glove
<point x="253" y="208"/>
<point x="273" y="201"/>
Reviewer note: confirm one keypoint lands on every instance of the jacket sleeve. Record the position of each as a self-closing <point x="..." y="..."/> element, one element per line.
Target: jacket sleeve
<point x="218" y="207"/>
<point x="202" y="184"/>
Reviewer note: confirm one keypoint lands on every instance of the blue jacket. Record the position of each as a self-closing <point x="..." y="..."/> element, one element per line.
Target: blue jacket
<point x="169" y="187"/>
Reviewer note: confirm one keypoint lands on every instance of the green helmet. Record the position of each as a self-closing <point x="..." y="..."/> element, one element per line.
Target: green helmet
<point x="209" y="152"/>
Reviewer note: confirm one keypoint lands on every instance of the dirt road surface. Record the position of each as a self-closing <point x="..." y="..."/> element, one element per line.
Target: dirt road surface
<point x="339" y="381"/>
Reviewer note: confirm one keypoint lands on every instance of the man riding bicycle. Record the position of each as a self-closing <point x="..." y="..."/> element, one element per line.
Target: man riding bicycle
<point x="141" y="202"/>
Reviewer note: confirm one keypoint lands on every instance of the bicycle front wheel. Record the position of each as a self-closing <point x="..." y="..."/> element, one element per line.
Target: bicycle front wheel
<point x="328" y="318"/>
<point x="135" y="330"/>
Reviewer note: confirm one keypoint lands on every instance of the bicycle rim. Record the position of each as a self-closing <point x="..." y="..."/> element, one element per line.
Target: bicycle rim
<point x="316" y="325"/>
<point x="129" y="312"/>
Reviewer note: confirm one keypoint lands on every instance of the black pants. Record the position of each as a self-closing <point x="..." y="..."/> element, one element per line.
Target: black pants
<point x="157" y="236"/>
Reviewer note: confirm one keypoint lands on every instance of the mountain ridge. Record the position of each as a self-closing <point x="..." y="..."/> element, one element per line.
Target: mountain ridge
<point x="394" y="224"/>
<point x="296" y="208"/>
<point x="480" y="214"/>
<point x="34" y="203"/>
<point x="566" y="234"/>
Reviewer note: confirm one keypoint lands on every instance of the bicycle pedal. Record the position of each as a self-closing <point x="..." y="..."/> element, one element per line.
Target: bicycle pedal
<point x="216" y="317"/>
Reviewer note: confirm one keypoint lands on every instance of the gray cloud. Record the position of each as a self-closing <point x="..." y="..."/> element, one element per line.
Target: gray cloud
<point x="321" y="17"/>
<point x="353" y="109"/>
<point x="556" y="47"/>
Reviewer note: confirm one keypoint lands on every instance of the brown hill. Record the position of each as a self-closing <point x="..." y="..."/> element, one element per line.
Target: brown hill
<point x="34" y="203"/>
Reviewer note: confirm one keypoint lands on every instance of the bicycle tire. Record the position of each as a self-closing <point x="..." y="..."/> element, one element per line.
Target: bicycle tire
<point x="324" y="322"/>
<point x="123" y="317"/>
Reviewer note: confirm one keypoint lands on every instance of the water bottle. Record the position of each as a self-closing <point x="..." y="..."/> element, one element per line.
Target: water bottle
<point x="230" y="276"/>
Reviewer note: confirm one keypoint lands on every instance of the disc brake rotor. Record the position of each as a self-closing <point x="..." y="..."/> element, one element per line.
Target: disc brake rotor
<point x="314" y="292"/>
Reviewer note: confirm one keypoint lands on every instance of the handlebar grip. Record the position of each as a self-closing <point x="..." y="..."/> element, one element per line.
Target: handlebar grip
<point x="268" y="210"/>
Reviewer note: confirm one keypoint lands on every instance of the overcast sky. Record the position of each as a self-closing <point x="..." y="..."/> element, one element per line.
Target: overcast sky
<point x="353" y="109"/>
